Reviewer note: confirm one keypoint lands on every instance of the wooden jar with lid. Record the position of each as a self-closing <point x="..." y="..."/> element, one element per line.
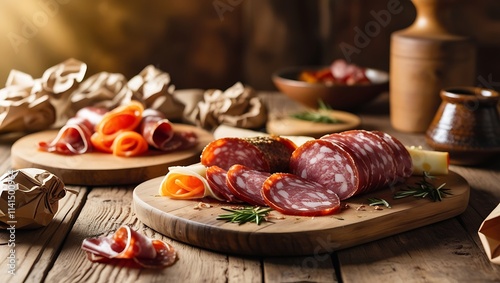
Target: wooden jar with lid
<point x="425" y="58"/>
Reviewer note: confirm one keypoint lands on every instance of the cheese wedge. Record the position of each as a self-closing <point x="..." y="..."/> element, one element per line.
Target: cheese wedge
<point x="432" y="162"/>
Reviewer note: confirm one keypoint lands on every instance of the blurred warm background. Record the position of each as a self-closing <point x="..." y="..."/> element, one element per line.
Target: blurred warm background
<point x="214" y="43"/>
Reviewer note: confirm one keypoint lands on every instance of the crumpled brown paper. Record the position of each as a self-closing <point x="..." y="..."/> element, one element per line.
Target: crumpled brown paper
<point x="21" y="109"/>
<point x="28" y="104"/>
<point x="237" y="106"/>
<point x="489" y="233"/>
<point x="156" y="92"/>
<point x="29" y="198"/>
<point x="58" y="83"/>
<point x="103" y="89"/>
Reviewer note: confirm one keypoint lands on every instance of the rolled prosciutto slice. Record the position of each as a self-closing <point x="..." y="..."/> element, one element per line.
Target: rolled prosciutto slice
<point x="128" y="244"/>
<point x="156" y="129"/>
<point x="269" y="154"/>
<point x="161" y="134"/>
<point x="72" y="138"/>
<point x="75" y="136"/>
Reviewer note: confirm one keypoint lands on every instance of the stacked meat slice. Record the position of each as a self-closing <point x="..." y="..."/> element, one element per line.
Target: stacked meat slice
<point x="320" y="173"/>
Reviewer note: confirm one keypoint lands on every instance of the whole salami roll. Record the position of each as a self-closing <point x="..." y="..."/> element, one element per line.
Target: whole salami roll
<point x="291" y="194"/>
<point x="269" y="154"/>
<point x="328" y="164"/>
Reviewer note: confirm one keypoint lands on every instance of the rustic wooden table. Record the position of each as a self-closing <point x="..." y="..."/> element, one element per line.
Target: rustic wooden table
<point x="447" y="251"/>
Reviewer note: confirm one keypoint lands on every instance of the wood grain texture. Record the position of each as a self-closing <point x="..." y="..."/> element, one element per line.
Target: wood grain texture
<point x="100" y="169"/>
<point x="36" y="250"/>
<point x="109" y="208"/>
<point x="294" y="235"/>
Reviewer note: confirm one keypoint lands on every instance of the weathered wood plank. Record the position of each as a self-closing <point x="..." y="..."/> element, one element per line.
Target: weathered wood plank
<point x="314" y="268"/>
<point x="109" y="208"/>
<point x="442" y="252"/>
<point x="36" y="250"/>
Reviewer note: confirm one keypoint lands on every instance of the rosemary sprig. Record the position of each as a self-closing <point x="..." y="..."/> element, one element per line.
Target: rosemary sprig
<point x="317" y="116"/>
<point x="245" y="214"/>
<point x="423" y="189"/>
<point x="378" y="201"/>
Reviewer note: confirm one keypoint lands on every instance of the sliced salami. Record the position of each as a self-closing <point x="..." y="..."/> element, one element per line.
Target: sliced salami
<point x="328" y="164"/>
<point x="246" y="184"/>
<point x="269" y="154"/>
<point x="382" y="164"/>
<point x="293" y="195"/>
<point x="216" y="178"/>
<point x="360" y="157"/>
<point x="402" y="157"/>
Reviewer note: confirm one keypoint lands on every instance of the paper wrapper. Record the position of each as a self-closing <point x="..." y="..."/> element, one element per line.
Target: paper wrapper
<point x="489" y="233"/>
<point x="28" y="105"/>
<point x="29" y="198"/>
<point x="237" y="106"/>
<point x="20" y="109"/>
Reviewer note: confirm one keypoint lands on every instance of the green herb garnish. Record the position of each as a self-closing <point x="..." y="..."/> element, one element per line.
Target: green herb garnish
<point x="378" y="201"/>
<point x="245" y="214"/>
<point x="423" y="189"/>
<point x="318" y="116"/>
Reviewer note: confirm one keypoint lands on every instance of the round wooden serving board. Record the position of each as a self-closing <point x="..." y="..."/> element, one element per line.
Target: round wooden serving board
<point x="289" y="126"/>
<point x="294" y="235"/>
<point x="101" y="169"/>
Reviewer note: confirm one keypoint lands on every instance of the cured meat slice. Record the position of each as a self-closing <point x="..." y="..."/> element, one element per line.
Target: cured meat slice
<point x="187" y="182"/>
<point x="246" y="184"/>
<point x="128" y="244"/>
<point x="156" y="129"/>
<point x="377" y="179"/>
<point x="266" y="153"/>
<point x="401" y="156"/>
<point x="360" y="157"/>
<point x="216" y="178"/>
<point x="328" y="164"/>
<point x="382" y="165"/>
<point x="72" y="138"/>
<point x="92" y="114"/>
<point x="291" y="194"/>
<point x="160" y="133"/>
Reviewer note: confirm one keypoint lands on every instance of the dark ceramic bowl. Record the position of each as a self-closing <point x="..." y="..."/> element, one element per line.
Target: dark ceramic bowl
<point x="338" y="96"/>
<point x="467" y="125"/>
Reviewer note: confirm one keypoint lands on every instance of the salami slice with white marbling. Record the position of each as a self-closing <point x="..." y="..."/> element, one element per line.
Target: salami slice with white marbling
<point x="269" y="154"/>
<point x="216" y="178"/>
<point x="328" y="164"/>
<point x="382" y="164"/>
<point x="246" y="184"/>
<point x="401" y="156"/>
<point x="293" y="195"/>
<point x="360" y="157"/>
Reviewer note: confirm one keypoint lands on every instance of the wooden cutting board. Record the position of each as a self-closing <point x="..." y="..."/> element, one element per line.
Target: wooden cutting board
<point x="103" y="169"/>
<point x="294" y="235"/>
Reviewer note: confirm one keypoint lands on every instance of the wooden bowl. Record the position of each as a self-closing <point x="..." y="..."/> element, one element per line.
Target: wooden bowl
<point x="337" y="96"/>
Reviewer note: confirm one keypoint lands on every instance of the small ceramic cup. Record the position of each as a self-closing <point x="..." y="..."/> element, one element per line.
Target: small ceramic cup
<point x="467" y="125"/>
